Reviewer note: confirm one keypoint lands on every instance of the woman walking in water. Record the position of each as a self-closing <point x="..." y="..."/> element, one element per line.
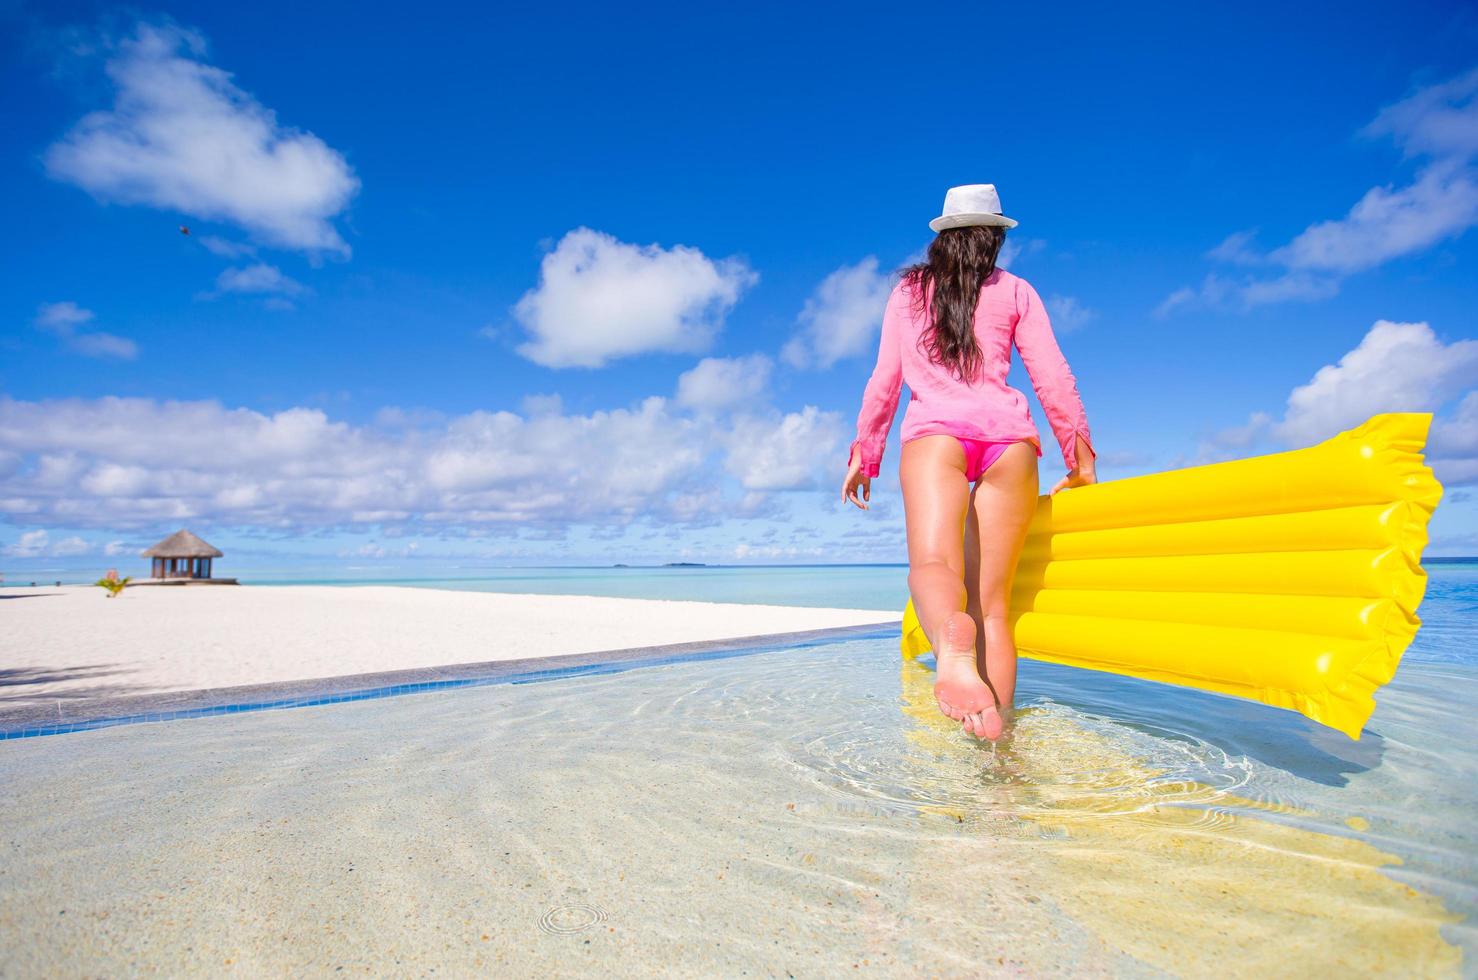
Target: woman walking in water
<point x="970" y="448"/>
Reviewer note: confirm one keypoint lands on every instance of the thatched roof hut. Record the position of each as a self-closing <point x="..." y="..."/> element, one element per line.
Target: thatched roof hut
<point x="183" y="544"/>
<point x="182" y="555"/>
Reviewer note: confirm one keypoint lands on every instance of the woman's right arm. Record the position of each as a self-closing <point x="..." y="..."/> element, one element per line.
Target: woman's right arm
<point x="880" y="398"/>
<point x="1055" y="385"/>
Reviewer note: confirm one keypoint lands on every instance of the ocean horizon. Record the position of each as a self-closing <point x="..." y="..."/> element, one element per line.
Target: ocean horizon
<point x="849" y="585"/>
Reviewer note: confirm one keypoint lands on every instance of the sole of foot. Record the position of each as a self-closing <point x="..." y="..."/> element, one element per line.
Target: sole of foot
<point x="961" y="694"/>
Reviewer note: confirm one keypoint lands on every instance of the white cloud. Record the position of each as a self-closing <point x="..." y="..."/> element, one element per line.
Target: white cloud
<point x="842" y="317"/>
<point x="101" y="344"/>
<point x="1396" y="367"/>
<point x="375" y="550"/>
<point x="1453" y="446"/>
<point x="62" y="320"/>
<point x="600" y="299"/>
<point x="542" y="406"/>
<point x="1439" y="122"/>
<point x="182" y="136"/>
<point x="784" y="452"/>
<point x="132" y="464"/>
<point x="1008" y="254"/>
<point x="1387" y="223"/>
<point x="1068" y="314"/>
<point x="32" y="544"/>
<point x="1238" y="437"/>
<point x="70" y="547"/>
<point x="1014" y="249"/>
<point x="1208" y="293"/>
<point x="722" y="382"/>
<point x="1220" y="292"/>
<point x="1236" y="249"/>
<point x="1458" y="435"/>
<point x="259" y="278"/>
<point x="38" y="544"/>
<point x="1293" y="286"/>
<point x="774" y="552"/>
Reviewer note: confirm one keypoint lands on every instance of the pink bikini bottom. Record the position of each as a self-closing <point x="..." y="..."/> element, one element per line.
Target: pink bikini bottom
<point x="979" y="454"/>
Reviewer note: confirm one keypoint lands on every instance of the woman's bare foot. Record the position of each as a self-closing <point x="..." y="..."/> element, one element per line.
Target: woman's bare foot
<point x="985" y="724"/>
<point x="961" y="694"/>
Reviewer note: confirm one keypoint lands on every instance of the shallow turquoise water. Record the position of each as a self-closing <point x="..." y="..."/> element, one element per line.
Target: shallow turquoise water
<point x="835" y="586"/>
<point x="791" y="811"/>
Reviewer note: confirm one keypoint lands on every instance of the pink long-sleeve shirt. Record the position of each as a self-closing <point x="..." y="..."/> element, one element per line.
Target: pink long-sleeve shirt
<point x="1009" y="313"/>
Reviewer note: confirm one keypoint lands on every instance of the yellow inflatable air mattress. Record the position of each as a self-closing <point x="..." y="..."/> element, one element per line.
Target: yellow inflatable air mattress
<point x="1292" y="579"/>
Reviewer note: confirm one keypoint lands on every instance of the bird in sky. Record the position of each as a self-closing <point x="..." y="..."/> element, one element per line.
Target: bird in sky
<point x="184" y="229"/>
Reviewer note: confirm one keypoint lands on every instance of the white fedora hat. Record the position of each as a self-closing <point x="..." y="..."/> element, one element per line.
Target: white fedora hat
<point x="971" y="204"/>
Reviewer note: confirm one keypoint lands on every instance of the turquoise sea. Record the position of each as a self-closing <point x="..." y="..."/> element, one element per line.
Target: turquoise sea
<point x="836" y="586"/>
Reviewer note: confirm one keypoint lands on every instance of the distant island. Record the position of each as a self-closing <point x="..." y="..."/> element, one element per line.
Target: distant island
<point x="685" y="564"/>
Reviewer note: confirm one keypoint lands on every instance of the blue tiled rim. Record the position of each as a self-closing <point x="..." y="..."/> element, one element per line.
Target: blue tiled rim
<point x="335" y="690"/>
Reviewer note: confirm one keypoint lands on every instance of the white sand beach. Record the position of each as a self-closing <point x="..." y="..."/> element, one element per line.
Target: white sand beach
<point x="74" y="642"/>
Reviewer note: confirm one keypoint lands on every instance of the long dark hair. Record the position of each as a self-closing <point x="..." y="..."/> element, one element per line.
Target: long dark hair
<point x="959" y="262"/>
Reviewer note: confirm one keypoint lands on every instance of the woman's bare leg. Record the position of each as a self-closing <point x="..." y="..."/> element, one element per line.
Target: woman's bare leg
<point x="936" y="496"/>
<point x="1001" y="509"/>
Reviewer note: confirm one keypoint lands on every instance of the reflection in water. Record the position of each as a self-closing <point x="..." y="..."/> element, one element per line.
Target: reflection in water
<point x="1142" y="838"/>
<point x="1283" y="740"/>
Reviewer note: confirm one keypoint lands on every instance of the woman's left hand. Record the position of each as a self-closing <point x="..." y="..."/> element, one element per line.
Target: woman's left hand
<point x="1080" y="477"/>
<point x="1085" y="472"/>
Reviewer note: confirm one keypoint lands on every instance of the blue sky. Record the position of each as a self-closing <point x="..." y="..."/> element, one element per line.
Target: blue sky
<point x="579" y="283"/>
